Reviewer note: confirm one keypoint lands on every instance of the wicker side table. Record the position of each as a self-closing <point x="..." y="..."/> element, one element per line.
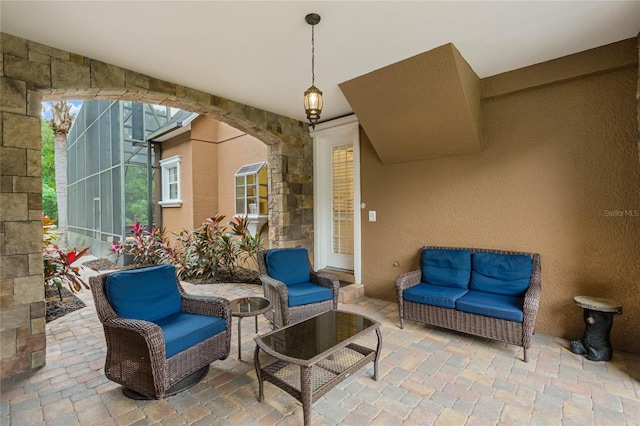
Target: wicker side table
<point x="598" y="318"/>
<point x="248" y="307"/>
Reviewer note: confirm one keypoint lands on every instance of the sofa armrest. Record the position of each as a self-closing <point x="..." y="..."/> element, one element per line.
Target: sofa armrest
<point x="329" y="281"/>
<point x="408" y="280"/>
<point x="532" y="299"/>
<point x="403" y="282"/>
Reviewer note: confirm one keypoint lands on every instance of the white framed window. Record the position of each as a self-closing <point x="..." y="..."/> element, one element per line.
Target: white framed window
<point x="171" y="181"/>
<point x="251" y="189"/>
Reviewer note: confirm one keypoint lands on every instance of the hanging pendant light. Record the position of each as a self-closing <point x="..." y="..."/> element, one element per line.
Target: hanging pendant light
<point x="313" y="95"/>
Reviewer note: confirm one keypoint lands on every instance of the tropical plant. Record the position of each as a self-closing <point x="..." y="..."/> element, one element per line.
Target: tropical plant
<point x="198" y="254"/>
<point x="58" y="264"/>
<point x="146" y="247"/>
<point x="61" y="122"/>
<point x="201" y="253"/>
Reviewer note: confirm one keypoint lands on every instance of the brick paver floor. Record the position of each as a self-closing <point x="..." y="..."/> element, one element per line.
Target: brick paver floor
<point x="427" y="376"/>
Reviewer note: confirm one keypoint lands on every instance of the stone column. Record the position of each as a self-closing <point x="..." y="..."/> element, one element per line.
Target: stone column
<point x="22" y="314"/>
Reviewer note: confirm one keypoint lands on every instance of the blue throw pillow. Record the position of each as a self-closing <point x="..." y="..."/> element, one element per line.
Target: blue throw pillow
<point x="145" y="294"/>
<point x="506" y="274"/>
<point x="290" y="265"/>
<point x="446" y="267"/>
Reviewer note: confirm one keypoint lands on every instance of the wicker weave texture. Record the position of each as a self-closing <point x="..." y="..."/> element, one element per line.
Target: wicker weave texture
<point x="506" y="331"/>
<point x="276" y="291"/>
<point x="136" y="349"/>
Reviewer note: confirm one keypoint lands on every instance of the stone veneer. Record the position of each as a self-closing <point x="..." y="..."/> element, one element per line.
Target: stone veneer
<point x="30" y="73"/>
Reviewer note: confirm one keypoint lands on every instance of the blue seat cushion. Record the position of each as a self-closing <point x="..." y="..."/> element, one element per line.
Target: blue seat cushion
<point x="506" y="274"/>
<point x="184" y="330"/>
<point x="446" y="267"/>
<point x="305" y="293"/>
<point x="145" y="294"/>
<point x="435" y="295"/>
<point x="289" y="265"/>
<point x="492" y="305"/>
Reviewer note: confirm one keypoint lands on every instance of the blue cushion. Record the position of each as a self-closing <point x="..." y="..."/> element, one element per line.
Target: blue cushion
<point x="444" y="267"/>
<point x="145" y="294"/>
<point x="507" y="274"/>
<point x="184" y="330"/>
<point x="290" y="265"/>
<point x="435" y="295"/>
<point x="492" y="305"/>
<point x="305" y="293"/>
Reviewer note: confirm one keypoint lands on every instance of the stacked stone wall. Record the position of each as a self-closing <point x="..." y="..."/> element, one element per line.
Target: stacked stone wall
<point x="31" y="72"/>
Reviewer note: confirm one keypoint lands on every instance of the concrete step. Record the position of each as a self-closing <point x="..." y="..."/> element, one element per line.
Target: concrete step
<point x="350" y="293"/>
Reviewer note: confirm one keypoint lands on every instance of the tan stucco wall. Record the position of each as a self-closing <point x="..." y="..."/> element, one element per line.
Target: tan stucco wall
<point x="212" y="152"/>
<point x="175" y="219"/>
<point x="559" y="162"/>
<point x="235" y="153"/>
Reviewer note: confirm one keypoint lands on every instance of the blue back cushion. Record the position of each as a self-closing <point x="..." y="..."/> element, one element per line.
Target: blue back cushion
<point x="449" y="268"/>
<point x="290" y="265"/>
<point x="145" y="294"/>
<point x="506" y="274"/>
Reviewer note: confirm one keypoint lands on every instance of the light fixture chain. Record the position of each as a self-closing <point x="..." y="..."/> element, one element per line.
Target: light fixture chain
<point x="313" y="56"/>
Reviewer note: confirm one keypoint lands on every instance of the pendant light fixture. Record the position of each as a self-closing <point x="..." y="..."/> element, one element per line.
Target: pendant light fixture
<point x="313" y="95"/>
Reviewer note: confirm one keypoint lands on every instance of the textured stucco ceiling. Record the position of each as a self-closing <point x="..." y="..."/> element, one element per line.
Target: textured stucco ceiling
<point x="258" y="53"/>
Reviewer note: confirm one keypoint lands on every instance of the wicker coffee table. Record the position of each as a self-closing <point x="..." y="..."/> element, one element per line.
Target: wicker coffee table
<point x="314" y="355"/>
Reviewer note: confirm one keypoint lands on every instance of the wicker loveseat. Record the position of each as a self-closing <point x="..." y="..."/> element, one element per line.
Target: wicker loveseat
<point x="160" y="340"/>
<point x="488" y="293"/>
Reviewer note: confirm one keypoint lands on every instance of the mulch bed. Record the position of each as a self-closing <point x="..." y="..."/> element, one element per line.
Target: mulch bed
<point x="57" y="308"/>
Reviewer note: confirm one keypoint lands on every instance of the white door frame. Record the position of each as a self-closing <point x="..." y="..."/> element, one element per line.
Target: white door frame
<point x="323" y="134"/>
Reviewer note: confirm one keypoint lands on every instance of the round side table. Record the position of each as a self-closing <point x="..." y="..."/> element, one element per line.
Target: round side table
<point x="248" y="307"/>
<point x="598" y="318"/>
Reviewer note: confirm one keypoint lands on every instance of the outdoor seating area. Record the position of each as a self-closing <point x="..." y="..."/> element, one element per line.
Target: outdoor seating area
<point x="426" y="375"/>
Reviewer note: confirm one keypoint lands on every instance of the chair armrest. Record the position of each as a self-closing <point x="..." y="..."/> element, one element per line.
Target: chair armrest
<point x="328" y="281"/>
<point x="408" y="280"/>
<point x="277" y="293"/>
<point x="212" y="306"/>
<point x="135" y="335"/>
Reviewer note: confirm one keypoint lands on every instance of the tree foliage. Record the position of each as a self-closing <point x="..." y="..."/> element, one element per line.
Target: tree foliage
<point x="49" y="198"/>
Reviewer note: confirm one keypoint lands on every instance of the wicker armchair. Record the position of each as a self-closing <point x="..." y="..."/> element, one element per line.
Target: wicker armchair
<point x="137" y="353"/>
<point x="282" y="314"/>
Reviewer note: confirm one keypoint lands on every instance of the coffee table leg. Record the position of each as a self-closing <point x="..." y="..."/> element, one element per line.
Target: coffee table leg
<point x="256" y="323"/>
<point x="256" y="364"/>
<point x="305" y="385"/>
<point x="377" y="358"/>
<point x="239" y="340"/>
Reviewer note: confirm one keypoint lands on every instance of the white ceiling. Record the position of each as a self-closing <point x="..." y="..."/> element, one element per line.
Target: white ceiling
<point x="259" y="52"/>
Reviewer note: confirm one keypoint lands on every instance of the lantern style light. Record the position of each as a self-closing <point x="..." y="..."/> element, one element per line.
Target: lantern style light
<point x="313" y="95"/>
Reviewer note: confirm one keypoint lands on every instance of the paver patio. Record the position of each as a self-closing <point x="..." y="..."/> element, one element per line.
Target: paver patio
<point x="427" y="376"/>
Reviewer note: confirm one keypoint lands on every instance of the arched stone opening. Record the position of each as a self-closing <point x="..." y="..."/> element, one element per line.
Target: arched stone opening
<point x="30" y="73"/>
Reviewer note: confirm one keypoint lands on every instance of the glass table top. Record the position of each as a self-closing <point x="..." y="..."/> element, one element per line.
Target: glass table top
<point x="249" y="305"/>
<point x="309" y="338"/>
